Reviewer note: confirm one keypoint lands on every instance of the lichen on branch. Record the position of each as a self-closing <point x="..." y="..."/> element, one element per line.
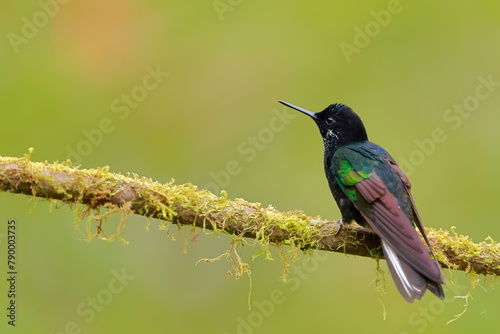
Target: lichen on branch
<point x="185" y="204"/>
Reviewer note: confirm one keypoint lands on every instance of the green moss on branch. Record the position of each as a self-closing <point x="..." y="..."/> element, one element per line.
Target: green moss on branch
<point x="185" y="204"/>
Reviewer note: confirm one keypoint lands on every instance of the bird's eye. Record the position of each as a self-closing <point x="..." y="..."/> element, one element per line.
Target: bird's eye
<point x="330" y="121"/>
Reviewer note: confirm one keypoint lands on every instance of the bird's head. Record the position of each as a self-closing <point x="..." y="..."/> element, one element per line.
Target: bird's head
<point x="338" y="124"/>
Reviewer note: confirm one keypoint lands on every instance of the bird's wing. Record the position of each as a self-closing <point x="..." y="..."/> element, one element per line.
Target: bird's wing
<point x="416" y="216"/>
<point x="381" y="209"/>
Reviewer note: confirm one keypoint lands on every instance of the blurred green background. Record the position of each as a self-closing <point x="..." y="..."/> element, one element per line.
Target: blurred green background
<point x="77" y="77"/>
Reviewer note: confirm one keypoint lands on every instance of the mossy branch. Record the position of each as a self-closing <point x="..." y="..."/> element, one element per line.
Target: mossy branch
<point x="99" y="189"/>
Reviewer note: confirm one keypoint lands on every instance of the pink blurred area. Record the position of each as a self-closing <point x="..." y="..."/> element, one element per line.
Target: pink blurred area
<point x="106" y="41"/>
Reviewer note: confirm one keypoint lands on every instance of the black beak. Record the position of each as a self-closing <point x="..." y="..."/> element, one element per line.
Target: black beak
<point x="302" y="110"/>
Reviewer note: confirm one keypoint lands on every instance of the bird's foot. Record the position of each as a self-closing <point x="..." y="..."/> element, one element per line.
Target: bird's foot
<point x="340" y="223"/>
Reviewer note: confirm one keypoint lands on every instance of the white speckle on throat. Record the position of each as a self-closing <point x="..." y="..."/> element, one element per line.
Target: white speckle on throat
<point x="330" y="138"/>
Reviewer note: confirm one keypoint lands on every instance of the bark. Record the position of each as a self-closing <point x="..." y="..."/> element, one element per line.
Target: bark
<point x="100" y="190"/>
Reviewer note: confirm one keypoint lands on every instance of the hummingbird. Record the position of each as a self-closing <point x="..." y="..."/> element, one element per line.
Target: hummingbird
<point x="372" y="190"/>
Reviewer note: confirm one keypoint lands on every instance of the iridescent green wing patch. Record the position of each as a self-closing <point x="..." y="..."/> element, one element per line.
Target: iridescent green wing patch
<point x="347" y="177"/>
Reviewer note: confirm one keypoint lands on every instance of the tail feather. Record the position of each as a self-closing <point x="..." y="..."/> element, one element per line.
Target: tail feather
<point x="410" y="283"/>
